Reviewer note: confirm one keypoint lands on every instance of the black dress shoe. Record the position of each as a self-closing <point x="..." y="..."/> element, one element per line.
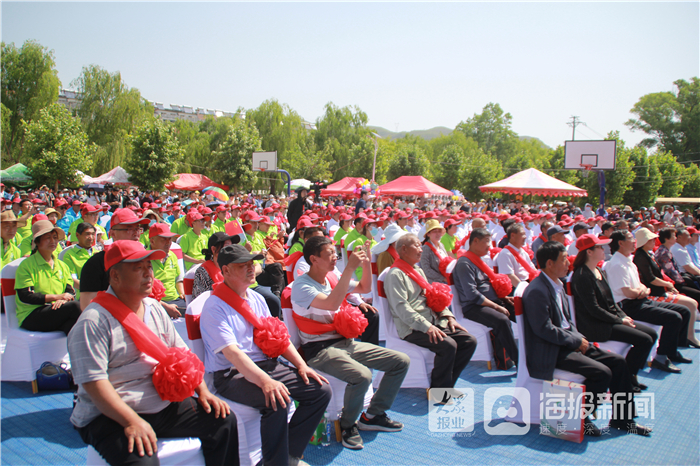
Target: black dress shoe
<point x="638" y="386"/>
<point x="631" y="427"/>
<point x="590" y="429"/>
<point x="680" y="359"/>
<point x="693" y="345"/>
<point x="668" y="367"/>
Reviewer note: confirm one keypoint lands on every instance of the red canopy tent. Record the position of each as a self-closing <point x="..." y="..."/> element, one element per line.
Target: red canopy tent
<point x="413" y="186"/>
<point x="192" y="182"/>
<point x="342" y="187"/>
<point x="532" y="181"/>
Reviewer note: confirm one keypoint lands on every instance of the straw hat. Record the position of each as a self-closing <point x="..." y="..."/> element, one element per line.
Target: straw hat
<point x="42" y="227"/>
<point x="431" y="225"/>
<point x="643" y="236"/>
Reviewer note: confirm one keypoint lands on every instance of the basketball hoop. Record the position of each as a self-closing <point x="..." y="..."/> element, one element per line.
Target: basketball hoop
<point x="586" y="169"/>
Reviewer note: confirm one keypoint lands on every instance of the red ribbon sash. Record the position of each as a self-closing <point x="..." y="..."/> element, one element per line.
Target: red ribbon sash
<point x="437" y="295"/>
<point x="392" y="252"/>
<point x="214" y="271"/>
<point x="460" y="244"/>
<point x="528" y="268"/>
<point x="178" y="372"/>
<point x="444" y="261"/>
<point x="269" y="334"/>
<point x="500" y="282"/>
<point x="349" y="321"/>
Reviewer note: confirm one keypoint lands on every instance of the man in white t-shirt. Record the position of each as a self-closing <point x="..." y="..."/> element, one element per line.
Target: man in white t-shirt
<point x="680" y="253"/>
<point x="246" y="375"/>
<point x="580" y="229"/>
<point x="314" y="298"/>
<point x="506" y="260"/>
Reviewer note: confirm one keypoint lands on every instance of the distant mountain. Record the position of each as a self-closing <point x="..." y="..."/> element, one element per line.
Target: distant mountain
<point x="431" y="133"/>
<point x="426" y="134"/>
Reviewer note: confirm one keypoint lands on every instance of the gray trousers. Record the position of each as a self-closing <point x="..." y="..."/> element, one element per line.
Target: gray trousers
<point x="279" y="439"/>
<point x="351" y="362"/>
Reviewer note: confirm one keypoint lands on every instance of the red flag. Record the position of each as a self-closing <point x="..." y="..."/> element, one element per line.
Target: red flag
<point x="233" y="228"/>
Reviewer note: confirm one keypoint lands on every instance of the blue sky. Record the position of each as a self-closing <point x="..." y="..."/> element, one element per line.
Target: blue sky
<point x="407" y="65"/>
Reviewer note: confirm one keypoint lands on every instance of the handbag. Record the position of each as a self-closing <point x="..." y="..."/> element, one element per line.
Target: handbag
<point x="52" y="377"/>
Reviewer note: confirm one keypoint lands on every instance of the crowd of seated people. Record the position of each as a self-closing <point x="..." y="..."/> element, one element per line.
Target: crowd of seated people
<point x="623" y="274"/>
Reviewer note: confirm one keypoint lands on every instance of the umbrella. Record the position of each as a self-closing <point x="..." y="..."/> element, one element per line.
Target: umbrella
<point x="216" y="192"/>
<point x="294" y="184"/>
<point x="17" y="174"/>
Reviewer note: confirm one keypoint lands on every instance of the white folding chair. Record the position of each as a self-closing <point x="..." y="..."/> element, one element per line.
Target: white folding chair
<point x="25" y="351"/>
<point x="335" y="406"/>
<point x="422" y="359"/>
<point x="188" y="282"/>
<point x="484" y="347"/>
<point x="524" y="380"/>
<point x="375" y="297"/>
<point x="171" y="452"/>
<point x="247" y="418"/>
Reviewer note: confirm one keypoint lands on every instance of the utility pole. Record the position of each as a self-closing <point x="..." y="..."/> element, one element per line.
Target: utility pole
<point x="574" y="123"/>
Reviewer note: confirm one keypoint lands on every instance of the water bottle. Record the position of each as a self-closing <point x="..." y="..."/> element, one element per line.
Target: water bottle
<point x="326" y="436"/>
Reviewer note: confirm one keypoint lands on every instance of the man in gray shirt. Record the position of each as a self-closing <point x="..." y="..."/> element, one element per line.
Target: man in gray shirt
<point x="119" y="412"/>
<point x="417" y="323"/>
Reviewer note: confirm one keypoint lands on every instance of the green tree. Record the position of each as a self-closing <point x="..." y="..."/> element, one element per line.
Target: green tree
<point x="235" y="154"/>
<point x="29" y="83"/>
<point x="56" y="147"/>
<point x="410" y="160"/>
<point x="283" y="130"/>
<point x="196" y="148"/>
<point x="448" y="167"/>
<point x="647" y="180"/>
<point x="110" y="112"/>
<point x="492" y="131"/>
<point x="337" y="131"/>
<point x="692" y="185"/>
<point x="671" y="172"/>
<point x="671" y="119"/>
<point x="155" y="155"/>
<point x="478" y="169"/>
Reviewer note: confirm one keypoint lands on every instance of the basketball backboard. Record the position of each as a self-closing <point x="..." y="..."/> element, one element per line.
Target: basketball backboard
<point x="264" y="161"/>
<point x="596" y="155"/>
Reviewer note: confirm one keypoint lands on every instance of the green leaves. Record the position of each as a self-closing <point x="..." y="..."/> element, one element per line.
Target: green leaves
<point x="57" y="146"/>
<point x="155" y="155"/>
<point x="29" y="83"/>
<point x="672" y="120"/>
<point x="234" y="157"/>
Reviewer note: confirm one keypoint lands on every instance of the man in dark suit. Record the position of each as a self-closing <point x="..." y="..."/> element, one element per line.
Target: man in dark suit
<point x="552" y="341"/>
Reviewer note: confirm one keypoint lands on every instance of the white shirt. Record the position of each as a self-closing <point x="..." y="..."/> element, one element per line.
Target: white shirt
<point x="622" y="273"/>
<point x="681" y="255"/>
<point x="571" y="250"/>
<point x="507" y="263"/>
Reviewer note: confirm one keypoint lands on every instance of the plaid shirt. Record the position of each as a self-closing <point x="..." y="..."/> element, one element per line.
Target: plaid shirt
<point x="668" y="264"/>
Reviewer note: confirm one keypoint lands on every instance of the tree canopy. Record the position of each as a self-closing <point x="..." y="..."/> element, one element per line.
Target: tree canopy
<point x="57" y="147"/>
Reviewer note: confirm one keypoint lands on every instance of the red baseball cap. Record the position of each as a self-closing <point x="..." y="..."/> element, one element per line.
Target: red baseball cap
<point x="160" y="229"/>
<point x="130" y="251"/>
<point x="252" y="216"/>
<point x="221" y="208"/>
<point x="87" y="208"/>
<point x="38" y="217"/>
<point x="126" y="217"/>
<point x="304" y="223"/>
<point x="193" y="216"/>
<point x="588" y="241"/>
<point x="450" y="222"/>
<point x="344" y="217"/>
<point x="76" y="202"/>
<point x="692" y="230"/>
